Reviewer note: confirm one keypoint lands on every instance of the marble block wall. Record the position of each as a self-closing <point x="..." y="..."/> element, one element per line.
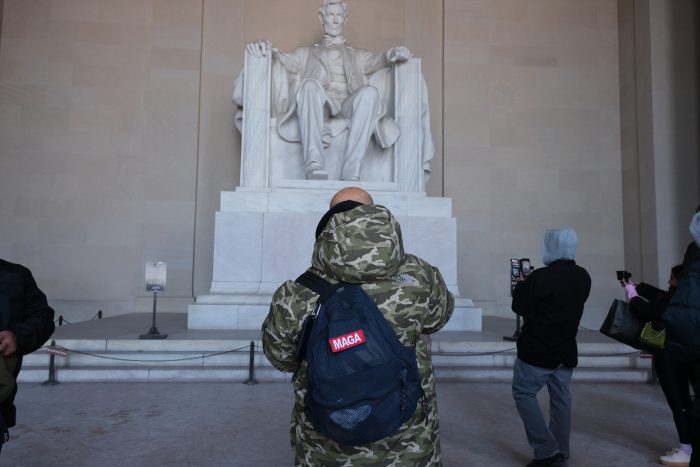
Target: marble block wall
<point x="532" y="139"/>
<point x="265" y="237"/>
<point x="99" y="116"/>
<point x="659" y="42"/>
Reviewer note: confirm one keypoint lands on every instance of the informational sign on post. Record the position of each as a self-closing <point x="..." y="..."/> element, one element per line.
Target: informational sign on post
<point x="155" y="282"/>
<point x="155" y="276"/>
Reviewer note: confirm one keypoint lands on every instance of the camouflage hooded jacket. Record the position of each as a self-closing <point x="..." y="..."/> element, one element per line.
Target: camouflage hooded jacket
<point x="364" y="245"/>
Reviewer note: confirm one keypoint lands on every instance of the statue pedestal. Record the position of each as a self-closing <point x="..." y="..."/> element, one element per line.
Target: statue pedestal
<point x="265" y="236"/>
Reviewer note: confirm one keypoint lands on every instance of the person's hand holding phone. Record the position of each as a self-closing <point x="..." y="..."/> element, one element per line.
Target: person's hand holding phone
<point x="624" y="278"/>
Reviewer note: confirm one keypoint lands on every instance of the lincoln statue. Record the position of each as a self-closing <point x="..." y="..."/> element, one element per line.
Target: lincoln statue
<point x="326" y="80"/>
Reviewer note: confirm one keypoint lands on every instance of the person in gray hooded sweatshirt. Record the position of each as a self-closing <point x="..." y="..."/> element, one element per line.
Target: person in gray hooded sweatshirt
<point x="550" y="300"/>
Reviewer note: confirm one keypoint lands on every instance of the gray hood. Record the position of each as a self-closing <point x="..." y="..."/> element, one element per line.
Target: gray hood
<point x="695" y="228"/>
<point x="558" y="244"/>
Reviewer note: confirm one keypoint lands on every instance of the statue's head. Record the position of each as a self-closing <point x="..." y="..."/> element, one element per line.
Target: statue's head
<point x="333" y="14"/>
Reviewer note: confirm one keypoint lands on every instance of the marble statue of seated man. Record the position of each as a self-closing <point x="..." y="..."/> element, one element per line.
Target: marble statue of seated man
<point x="330" y="79"/>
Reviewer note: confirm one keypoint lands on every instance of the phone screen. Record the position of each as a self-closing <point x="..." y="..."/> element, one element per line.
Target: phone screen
<point x="514" y="268"/>
<point x="525" y="265"/>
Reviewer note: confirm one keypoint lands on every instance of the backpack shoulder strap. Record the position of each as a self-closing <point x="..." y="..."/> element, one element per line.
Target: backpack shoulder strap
<point x="317" y="284"/>
<point x="324" y="289"/>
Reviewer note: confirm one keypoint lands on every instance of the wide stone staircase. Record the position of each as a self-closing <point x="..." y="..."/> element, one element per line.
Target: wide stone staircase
<point x="109" y="350"/>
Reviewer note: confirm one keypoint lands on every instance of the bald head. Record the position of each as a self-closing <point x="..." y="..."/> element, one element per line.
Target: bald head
<point x="352" y="194"/>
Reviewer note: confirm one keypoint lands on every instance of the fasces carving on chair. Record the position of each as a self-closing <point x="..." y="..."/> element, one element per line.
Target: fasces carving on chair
<point x="333" y="102"/>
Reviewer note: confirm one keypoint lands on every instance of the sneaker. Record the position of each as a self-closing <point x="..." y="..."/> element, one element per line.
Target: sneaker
<point x="556" y="460"/>
<point x="676" y="458"/>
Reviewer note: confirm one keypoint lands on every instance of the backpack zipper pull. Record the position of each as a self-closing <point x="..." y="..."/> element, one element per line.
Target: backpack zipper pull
<point x="317" y="309"/>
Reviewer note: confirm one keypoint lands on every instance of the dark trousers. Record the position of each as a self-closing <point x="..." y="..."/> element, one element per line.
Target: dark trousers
<point x="674" y="378"/>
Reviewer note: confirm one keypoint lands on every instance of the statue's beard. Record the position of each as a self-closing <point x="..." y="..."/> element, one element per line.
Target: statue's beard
<point x="333" y="30"/>
<point x="330" y="40"/>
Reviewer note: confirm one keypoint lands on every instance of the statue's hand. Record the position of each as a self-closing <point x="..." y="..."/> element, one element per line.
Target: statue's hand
<point x="398" y="54"/>
<point x="259" y="48"/>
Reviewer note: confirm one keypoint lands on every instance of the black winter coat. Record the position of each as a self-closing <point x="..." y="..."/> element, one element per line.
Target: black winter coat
<point x="682" y="317"/>
<point x="551" y="302"/>
<point x="24" y="312"/>
<point x="691" y="256"/>
<point x="651" y="304"/>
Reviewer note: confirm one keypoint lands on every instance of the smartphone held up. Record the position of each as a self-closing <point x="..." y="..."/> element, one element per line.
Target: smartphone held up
<point x="519" y="267"/>
<point x="623" y="275"/>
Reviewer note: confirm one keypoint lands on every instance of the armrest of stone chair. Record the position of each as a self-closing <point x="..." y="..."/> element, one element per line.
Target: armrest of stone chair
<point x="255" y="131"/>
<point x="412" y="116"/>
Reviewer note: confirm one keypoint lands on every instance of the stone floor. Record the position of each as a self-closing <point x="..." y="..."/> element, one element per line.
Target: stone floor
<point x="232" y="424"/>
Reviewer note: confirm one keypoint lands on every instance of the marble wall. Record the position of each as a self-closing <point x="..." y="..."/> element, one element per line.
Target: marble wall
<point x="99" y="110"/>
<point x="659" y="43"/>
<point x="116" y="133"/>
<point x="532" y="139"/>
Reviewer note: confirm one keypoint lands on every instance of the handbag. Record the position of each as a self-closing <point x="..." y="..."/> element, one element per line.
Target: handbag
<point x="623" y="326"/>
<point x="652" y="337"/>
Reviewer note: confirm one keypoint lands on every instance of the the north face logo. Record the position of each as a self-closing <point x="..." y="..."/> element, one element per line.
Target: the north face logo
<point x="403" y="279"/>
<point x="346" y="341"/>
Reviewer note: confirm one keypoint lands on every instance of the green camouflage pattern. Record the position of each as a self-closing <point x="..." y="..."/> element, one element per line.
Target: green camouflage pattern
<point x="364" y="245"/>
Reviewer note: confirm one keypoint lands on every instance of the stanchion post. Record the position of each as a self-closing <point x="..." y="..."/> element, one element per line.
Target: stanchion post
<point x="251" y="365"/>
<point x="153" y="333"/>
<point x="60" y="320"/>
<point x="52" y="381"/>
<point x="99" y="314"/>
<point x="155" y="282"/>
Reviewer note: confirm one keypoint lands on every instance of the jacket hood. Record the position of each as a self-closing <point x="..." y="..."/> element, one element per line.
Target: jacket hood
<point x="558" y="244"/>
<point x="695" y="228"/>
<point x="359" y="245"/>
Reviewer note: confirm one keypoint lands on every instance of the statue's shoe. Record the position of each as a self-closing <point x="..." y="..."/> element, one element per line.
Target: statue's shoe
<point x="314" y="171"/>
<point x="317" y="174"/>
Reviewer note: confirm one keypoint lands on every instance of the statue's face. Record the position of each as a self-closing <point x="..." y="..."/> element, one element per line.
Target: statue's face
<point x="333" y="18"/>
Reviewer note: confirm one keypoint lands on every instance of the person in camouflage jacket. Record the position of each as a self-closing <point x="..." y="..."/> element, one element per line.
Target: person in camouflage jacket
<point x="364" y="245"/>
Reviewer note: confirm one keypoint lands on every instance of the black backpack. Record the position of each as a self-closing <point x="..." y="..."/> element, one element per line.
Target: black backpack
<point x="363" y="384"/>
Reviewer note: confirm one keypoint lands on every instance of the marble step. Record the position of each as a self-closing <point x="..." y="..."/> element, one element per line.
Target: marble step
<point x="232" y="366"/>
<point x="149" y="359"/>
<point x="506" y="360"/>
<point x="461" y="356"/>
<point x="269" y="374"/>
<point x="503" y="375"/>
<point x="127" y="374"/>
<point x="241" y="357"/>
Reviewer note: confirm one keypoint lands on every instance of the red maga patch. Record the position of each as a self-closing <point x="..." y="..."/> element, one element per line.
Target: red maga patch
<point x="347" y="341"/>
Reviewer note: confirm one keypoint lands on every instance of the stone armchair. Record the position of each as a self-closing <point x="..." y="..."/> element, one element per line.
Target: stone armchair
<point x="268" y="161"/>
